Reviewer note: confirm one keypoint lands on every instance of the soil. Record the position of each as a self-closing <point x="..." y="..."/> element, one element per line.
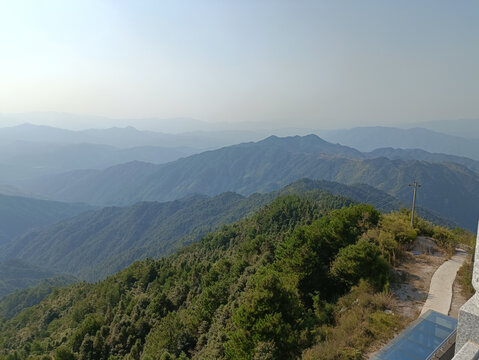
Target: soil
<point x="413" y="277"/>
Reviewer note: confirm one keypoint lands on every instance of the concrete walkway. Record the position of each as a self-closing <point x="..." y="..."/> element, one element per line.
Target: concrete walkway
<point x="440" y="291"/>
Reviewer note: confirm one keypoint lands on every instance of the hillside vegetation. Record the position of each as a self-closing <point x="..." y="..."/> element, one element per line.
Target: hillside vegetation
<point x="97" y="244"/>
<point x="295" y="279"/>
<point x="14" y="303"/>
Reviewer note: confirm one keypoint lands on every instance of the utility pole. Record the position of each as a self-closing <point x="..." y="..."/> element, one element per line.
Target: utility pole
<point x="416" y="185"/>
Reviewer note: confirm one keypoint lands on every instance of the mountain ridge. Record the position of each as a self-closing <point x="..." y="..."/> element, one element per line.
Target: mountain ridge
<point x="451" y="190"/>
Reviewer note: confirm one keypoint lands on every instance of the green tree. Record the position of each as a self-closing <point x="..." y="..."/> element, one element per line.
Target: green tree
<point x="362" y="260"/>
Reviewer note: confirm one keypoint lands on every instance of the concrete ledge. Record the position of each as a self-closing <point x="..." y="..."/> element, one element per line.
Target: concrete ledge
<point x="468" y="326"/>
<point x="470" y="351"/>
<point x="467" y="338"/>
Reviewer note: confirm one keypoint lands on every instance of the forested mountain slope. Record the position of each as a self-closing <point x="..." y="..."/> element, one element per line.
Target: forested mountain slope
<point x="294" y="279"/>
<point x="19" y="299"/>
<point x="247" y="289"/>
<point x="20" y="214"/>
<point x="451" y="190"/>
<point x="97" y="244"/>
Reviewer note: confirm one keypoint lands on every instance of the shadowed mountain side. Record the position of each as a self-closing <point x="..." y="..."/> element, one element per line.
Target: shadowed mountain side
<point x="20" y="214"/>
<point x="99" y="243"/>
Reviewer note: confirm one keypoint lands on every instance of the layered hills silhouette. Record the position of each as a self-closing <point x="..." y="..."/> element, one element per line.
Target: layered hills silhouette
<point x="450" y="189"/>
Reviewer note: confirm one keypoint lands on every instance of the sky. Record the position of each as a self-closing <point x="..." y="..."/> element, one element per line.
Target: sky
<point x="316" y="64"/>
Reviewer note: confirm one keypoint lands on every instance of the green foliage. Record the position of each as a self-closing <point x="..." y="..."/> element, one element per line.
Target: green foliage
<point x="399" y="225"/>
<point x="269" y="314"/>
<point x="63" y="353"/>
<point x="362" y="260"/>
<point x="359" y="321"/>
<point x="296" y="278"/>
<point x="17" y="301"/>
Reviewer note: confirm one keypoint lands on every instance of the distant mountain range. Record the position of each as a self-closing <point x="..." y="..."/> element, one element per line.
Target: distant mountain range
<point x="30" y="151"/>
<point x="125" y="137"/>
<point x="96" y="244"/>
<point x="468" y="128"/>
<point x="449" y="189"/>
<point x="25" y="160"/>
<point x="20" y="214"/>
<point x="371" y="138"/>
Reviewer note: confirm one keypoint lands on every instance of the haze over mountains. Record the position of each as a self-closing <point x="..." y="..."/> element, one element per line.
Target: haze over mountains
<point x="371" y="138"/>
<point x="30" y="151"/>
<point x="24" y="160"/>
<point x="449" y="189"/>
<point x="468" y="128"/>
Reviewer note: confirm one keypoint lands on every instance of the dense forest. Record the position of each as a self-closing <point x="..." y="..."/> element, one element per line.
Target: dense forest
<point x="297" y="278"/>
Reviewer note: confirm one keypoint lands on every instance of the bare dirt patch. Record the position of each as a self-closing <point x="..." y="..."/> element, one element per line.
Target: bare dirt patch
<point x="413" y="277"/>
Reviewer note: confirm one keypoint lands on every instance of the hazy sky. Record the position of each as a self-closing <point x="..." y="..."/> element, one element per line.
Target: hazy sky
<point x="311" y="63"/>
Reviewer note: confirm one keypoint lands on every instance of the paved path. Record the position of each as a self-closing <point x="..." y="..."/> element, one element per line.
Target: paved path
<point x="440" y="291"/>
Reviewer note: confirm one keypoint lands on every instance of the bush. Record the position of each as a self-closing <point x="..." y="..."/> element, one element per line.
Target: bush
<point x="362" y="260"/>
